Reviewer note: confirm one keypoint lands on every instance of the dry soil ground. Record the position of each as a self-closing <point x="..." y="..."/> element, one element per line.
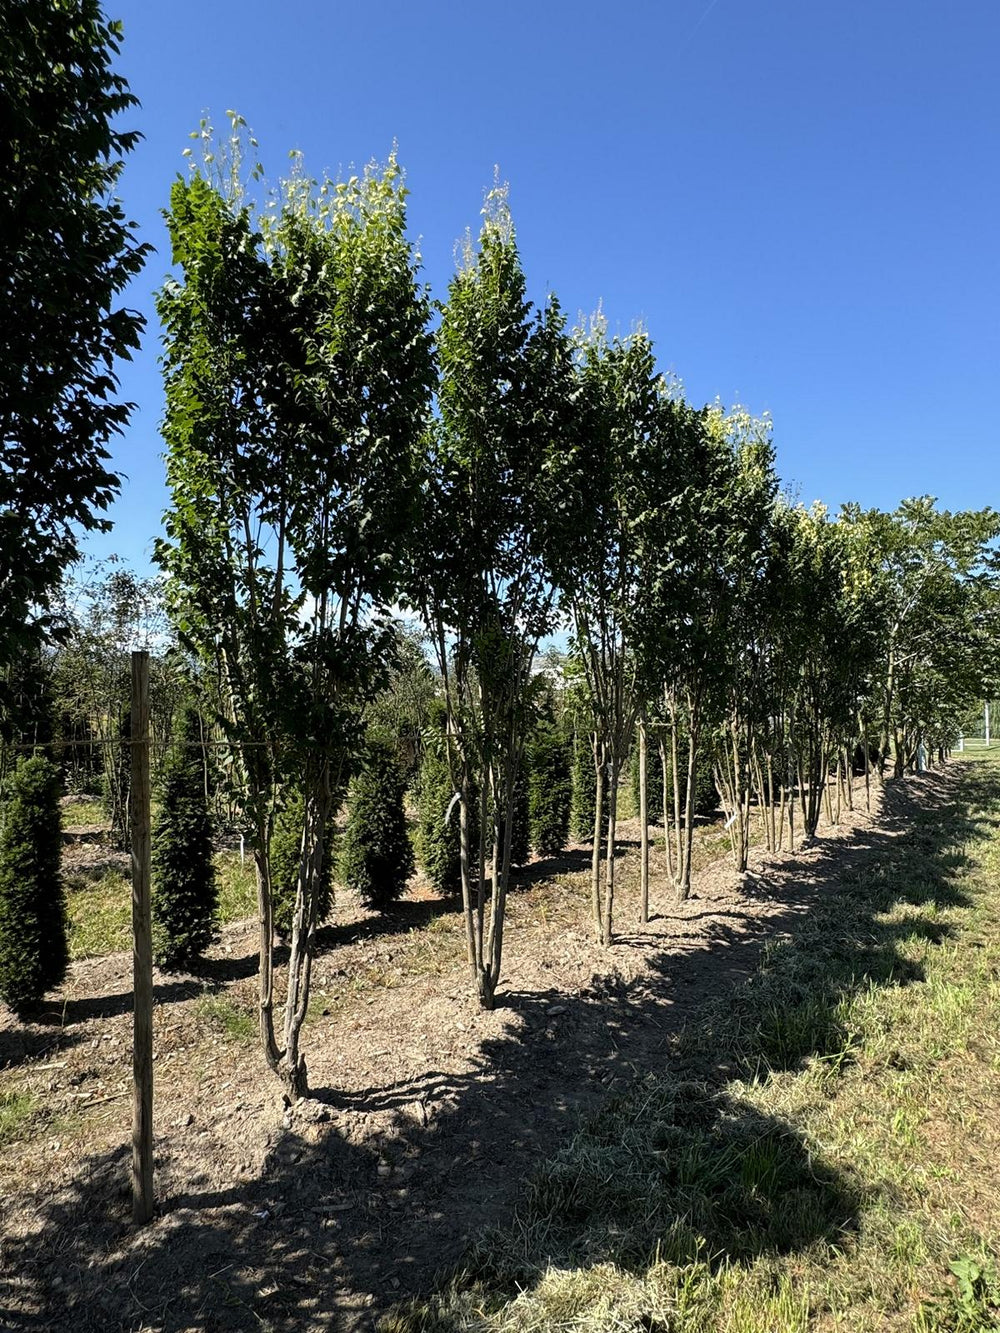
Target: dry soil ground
<point x="426" y="1117"/>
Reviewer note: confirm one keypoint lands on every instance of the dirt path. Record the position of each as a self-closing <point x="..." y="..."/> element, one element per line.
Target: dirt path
<point x="427" y="1115"/>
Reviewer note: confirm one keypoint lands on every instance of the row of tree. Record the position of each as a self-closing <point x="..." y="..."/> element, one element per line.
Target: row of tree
<point x="339" y="445"/>
<point x="329" y="457"/>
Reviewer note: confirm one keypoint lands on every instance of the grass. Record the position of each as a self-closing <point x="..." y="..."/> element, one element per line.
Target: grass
<point x="100" y="909"/>
<point x="821" y="1152"/>
<point x="237" y="885"/>
<point x="83" y="813"/>
<point x="237" y="1022"/>
<point x="100" y="914"/>
<point x="17" y="1109"/>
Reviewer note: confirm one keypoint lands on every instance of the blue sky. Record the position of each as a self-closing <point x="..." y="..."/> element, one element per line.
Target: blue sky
<point x="798" y="198"/>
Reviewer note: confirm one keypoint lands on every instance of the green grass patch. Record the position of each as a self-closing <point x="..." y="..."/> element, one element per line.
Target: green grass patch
<point x="100" y="914"/>
<point x="237" y="1022"/>
<point x="83" y="813"/>
<point x="100" y="909"/>
<point x="821" y="1151"/>
<point x="237" y="886"/>
<point x="17" y="1109"/>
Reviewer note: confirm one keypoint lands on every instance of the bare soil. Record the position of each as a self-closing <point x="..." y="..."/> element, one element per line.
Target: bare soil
<point x="427" y="1113"/>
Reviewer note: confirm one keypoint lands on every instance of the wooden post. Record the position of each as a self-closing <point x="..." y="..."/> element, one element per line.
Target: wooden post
<point x="142" y="950"/>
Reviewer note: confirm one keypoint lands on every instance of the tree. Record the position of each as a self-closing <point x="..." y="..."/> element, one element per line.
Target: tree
<point x="298" y="370"/>
<point x="107" y="611"/>
<point x="482" y="584"/>
<point x="68" y="253"/>
<point x="376" y="856"/>
<point x="595" y="557"/>
<point x="184" y="893"/>
<point x="26" y="706"/>
<point x="33" y="925"/>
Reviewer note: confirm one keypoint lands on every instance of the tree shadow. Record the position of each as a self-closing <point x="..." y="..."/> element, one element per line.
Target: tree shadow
<point x="368" y="1192"/>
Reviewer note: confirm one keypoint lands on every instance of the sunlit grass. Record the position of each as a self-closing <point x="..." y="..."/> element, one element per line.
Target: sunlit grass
<point x="16" y="1112"/>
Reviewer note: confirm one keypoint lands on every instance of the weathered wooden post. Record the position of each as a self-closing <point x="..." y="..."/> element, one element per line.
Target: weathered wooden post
<point x="142" y="949"/>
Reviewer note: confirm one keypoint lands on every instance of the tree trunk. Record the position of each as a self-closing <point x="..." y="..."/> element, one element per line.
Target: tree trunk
<point x="668" y="846"/>
<point x="693" y="731"/>
<point x="643" y="829"/>
<point x="265" y="987"/>
<point x="595" y="862"/>
<point x="607" y="923"/>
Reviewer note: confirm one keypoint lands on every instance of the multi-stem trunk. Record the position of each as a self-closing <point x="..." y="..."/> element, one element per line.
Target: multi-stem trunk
<point x="265" y="990"/>
<point x="684" y="891"/>
<point x="317" y="813"/>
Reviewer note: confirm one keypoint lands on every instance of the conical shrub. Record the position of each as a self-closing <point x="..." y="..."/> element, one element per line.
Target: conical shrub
<point x="185" y="895"/>
<point x="33" y="922"/>
<point x="550" y="790"/>
<point x="376" y="856"/>
<point x="438" y="828"/>
<point x="286" y="852"/>
<point x="585" y="792"/>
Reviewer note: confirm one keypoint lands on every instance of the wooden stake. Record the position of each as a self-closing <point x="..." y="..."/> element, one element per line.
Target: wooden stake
<point x="142" y="949"/>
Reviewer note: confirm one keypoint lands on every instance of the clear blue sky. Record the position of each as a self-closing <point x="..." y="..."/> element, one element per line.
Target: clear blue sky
<point x="799" y="198"/>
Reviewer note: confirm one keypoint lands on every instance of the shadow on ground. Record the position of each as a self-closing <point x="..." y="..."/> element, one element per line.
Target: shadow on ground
<point x="339" y="1225"/>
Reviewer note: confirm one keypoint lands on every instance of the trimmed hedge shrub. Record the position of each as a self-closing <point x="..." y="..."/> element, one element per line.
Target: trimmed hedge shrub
<point x="376" y="856"/>
<point x="520" y="851"/>
<point x="33" y="922"/>
<point x="438" y="839"/>
<point x="185" y="896"/>
<point x="286" y="845"/>
<point x="585" y="791"/>
<point x="654" y="780"/>
<point x="550" y="791"/>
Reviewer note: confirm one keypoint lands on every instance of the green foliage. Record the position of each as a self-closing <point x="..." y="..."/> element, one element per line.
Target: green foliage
<point x="236" y="1021"/>
<point x="117" y="779"/>
<point x="438" y="839"/>
<point x="550" y="789"/>
<point x="654" y="782"/>
<point x="17" y="1109"/>
<point x="376" y="857"/>
<point x="520" y="842"/>
<point x="185" y="897"/>
<point x="706" y="796"/>
<point x="584" y="781"/>
<point x="401" y="711"/>
<point x="286" y="856"/>
<point x="107" y="611"/>
<point x="68" y="253"/>
<point x="584" y="799"/>
<point x="33" y="926"/>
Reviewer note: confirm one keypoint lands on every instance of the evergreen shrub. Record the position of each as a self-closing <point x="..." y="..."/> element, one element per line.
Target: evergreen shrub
<point x="286" y="849"/>
<point x="376" y="856"/>
<point x="550" y="790"/>
<point x="33" y="921"/>
<point x="185" y="894"/>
